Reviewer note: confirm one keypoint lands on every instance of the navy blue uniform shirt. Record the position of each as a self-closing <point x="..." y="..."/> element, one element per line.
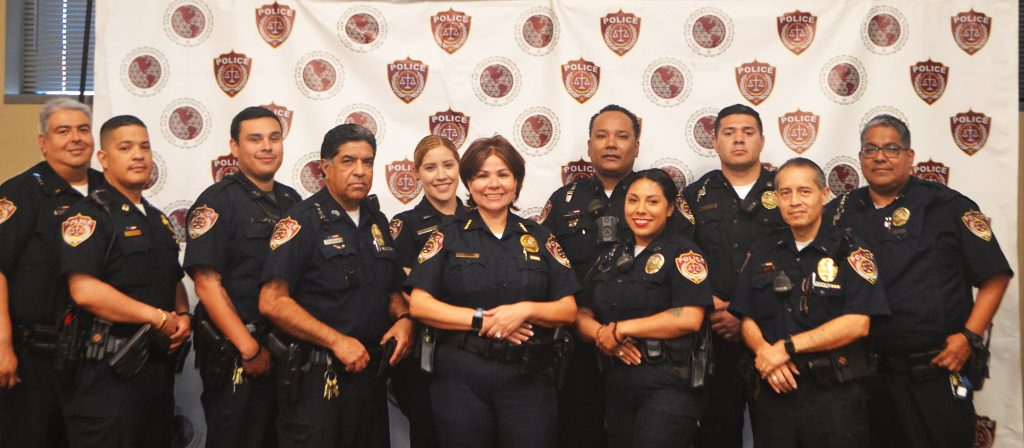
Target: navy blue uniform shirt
<point x="411" y="229"/>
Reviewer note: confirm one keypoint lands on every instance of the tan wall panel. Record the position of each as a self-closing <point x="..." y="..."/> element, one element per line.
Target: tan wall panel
<point x="18" y="125"/>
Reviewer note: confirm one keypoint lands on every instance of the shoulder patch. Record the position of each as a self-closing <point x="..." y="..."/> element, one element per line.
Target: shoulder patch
<point x="692" y="266"/>
<point x="976" y="222"/>
<point x="863" y="263"/>
<point x="395" y="228"/>
<point x="431" y="247"/>
<point x="557" y="252"/>
<point x="543" y="213"/>
<point x="684" y="208"/>
<point x="7" y="209"/>
<point x="284" y="231"/>
<point x="76" y="229"/>
<point x="203" y="219"/>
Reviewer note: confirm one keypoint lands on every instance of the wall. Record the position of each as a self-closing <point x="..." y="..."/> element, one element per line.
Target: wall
<point x="18" y="125"/>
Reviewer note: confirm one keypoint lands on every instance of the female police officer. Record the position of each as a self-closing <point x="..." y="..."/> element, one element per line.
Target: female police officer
<point x="495" y="285"/>
<point x="643" y="308"/>
<point x="437" y="167"/>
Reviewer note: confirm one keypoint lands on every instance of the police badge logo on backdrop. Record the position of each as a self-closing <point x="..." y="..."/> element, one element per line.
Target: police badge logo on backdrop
<point x="451" y="125"/>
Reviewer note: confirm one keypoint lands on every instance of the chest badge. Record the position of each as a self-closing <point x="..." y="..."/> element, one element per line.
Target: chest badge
<point x="431" y="247"/>
<point x="556" y="251"/>
<point x="378" y="237"/>
<point x="654" y="263"/>
<point x="203" y="219"/>
<point x="76" y="229"/>
<point x="768" y="200"/>
<point x="529" y="243"/>
<point x="692" y="266"/>
<point x="900" y="216"/>
<point x="863" y="263"/>
<point x="827" y="269"/>
<point x="395" y="228"/>
<point x="284" y="231"/>
<point x="7" y="209"/>
<point x="978" y="224"/>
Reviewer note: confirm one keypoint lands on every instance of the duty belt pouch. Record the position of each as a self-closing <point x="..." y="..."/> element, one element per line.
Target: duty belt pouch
<point x="96" y="340"/>
<point x="216" y="361"/>
<point x="43" y="340"/>
<point x="428" y="354"/>
<point x="538" y="359"/>
<point x="129" y="360"/>
<point x="851" y="363"/>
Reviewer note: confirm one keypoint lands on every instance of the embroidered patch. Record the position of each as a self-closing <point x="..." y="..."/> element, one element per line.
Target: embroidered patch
<point x="684" y="208"/>
<point x="203" y="219"/>
<point x="395" y="228"/>
<point x="978" y="224"/>
<point x="77" y="229"/>
<point x="692" y="266"/>
<point x="7" y="209"/>
<point x="557" y="252"/>
<point x="654" y="263"/>
<point x="431" y="247"/>
<point x="768" y="200"/>
<point x="863" y="263"/>
<point x="284" y="231"/>
<point x="543" y="213"/>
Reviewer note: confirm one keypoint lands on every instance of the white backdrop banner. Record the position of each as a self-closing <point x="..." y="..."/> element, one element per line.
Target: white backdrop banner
<point x="535" y="72"/>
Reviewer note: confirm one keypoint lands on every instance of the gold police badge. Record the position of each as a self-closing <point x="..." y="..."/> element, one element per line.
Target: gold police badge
<point x="827" y="269"/>
<point x="900" y="216"/>
<point x="654" y="263"/>
<point x="768" y="200"/>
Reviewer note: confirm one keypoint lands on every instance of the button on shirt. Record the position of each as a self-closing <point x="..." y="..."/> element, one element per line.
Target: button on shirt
<point x="411" y="229"/>
<point x="831" y="277"/>
<point x="32" y="205"/>
<point x="228" y="229"/>
<point x="341" y="272"/>
<point x="933" y="245"/>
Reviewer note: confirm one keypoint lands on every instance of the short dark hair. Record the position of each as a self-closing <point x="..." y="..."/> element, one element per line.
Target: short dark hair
<point x="738" y="109"/>
<point x="251" y="113"/>
<point x="480" y="150"/>
<point x="115" y="123"/>
<point x="660" y="177"/>
<point x="344" y="133"/>
<point x="819" y="175"/>
<point x="616" y="108"/>
<point x="888" y="121"/>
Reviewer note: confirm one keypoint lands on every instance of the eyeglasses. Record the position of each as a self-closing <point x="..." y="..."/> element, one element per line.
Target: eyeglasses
<point x="890" y="151"/>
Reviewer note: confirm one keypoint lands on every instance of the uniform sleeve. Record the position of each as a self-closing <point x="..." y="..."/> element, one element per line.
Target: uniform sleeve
<point x="683" y="216"/>
<point x="209" y="232"/>
<point x="85" y="236"/>
<point x="398" y="273"/>
<point x="689" y="281"/>
<point x="742" y="301"/>
<point x="562" y="279"/>
<point x="982" y="257"/>
<point x="545" y="213"/>
<point x="863" y="292"/>
<point x="17" y="222"/>
<point x="428" y="272"/>
<point x="292" y="246"/>
<point x="405" y="242"/>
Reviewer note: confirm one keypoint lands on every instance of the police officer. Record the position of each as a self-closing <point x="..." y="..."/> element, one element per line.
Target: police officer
<point x="436" y="162"/>
<point x="933" y="246"/>
<point x="729" y="209"/>
<point x="32" y="292"/>
<point x="496" y="286"/>
<point x="806" y="300"/>
<point x="228" y="229"/>
<point x="643" y="309"/>
<point x="571" y="214"/>
<point x="332" y="284"/>
<point x="121" y="261"/>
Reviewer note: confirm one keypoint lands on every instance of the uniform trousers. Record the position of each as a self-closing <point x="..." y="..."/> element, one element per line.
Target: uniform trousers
<point x="241" y="416"/>
<point x="30" y="414"/>
<point x="650" y="406"/>
<point x="411" y="387"/>
<point x="721" y="426"/>
<point x="813" y="416"/>
<point x="909" y="413"/>
<point x="581" y="402"/>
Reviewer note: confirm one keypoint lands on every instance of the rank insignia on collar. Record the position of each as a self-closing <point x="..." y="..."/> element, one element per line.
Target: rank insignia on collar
<point x="556" y="251"/>
<point x="431" y="247"/>
<point x="529" y="243"/>
<point x="203" y="219"/>
<point x="544" y="212"/>
<point x="284" y="231"/>
<point x="900" y="216"/>
<point x="684" y="208"/>
<point x="692" y="266"/>
<point x="768" y="200"/>
<point x="978" y="224"/>
<point x="395" y="228"/>
<point x="766" y="266"/>
<point x="827" y="269"/>
<point x="76" y="229"/>
<point x="7" y="209"/>
<point x="654" y="263"/>
<point x="125" y="208"/>
<point x="863" y="263"/>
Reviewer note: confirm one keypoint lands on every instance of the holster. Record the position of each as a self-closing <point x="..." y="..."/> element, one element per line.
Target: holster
<point x="132" y="356"/>
<point x="976" y="368"/>
<point x="428" y="354"/>
<point x="68" y="349"/>
<point x="288" y="361"/>
<point x="702" y="358"/>
<point x="216" y="356"/>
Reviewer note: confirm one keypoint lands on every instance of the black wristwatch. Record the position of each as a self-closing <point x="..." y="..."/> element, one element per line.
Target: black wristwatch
<point x="973" y="339"/>
<point x="790" y="348"/>
<point x="478" y="319"/>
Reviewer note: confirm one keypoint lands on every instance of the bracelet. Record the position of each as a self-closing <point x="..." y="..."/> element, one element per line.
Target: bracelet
<point x="615" y="335"/>
<point x="163" y="323"/>
<point x="597" y="334"/>
<point x="259" y="349"/>
<point x="405" y="315"/>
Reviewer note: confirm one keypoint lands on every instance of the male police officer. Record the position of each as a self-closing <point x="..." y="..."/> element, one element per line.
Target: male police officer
<point x="32" y="292"/>
<point x="933" y="246"/>
<point x="332" y="281"/>
<point x="121" y="261"/>
<point x="572" y="215"/>
<point x="806" y="299"/>
<point x="228" y="229"/>
<point x="729" y="209"/>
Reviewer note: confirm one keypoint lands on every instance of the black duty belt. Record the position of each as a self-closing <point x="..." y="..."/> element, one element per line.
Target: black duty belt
<point x="320" y="356"/>
<point x="501" y="351"/>
<point x="40" y="338"/>
<point x="917" y="365"/>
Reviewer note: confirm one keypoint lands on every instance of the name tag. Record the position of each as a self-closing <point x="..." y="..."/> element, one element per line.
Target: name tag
<point x="427" y="230"/>
<point x="333" y="239"/>
<point x="132" y="232"/>
<point x="467" y="255"/>
<point x="707" y="207"/>
<point x="534" y="258"/>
